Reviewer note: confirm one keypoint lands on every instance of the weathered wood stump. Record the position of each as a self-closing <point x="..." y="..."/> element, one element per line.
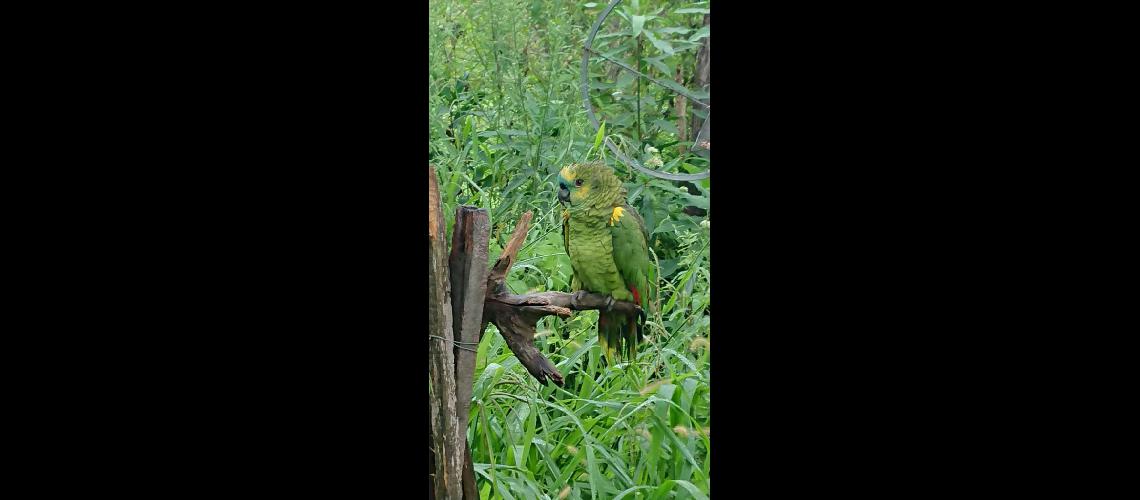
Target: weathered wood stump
<point x="449" y="442"/>
<point x="468" y="264"/>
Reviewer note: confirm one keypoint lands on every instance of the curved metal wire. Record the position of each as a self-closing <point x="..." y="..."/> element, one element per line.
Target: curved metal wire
<point x="594" y="119"/>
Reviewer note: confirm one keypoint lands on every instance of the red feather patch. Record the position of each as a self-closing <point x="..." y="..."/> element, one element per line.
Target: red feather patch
<point x="636" y="296"/>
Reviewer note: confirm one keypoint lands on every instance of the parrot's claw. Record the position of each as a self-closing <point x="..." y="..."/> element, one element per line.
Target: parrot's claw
<point x="609" y="304"/>
<point x="577" y="297"/>
<point x="641" y="314"/>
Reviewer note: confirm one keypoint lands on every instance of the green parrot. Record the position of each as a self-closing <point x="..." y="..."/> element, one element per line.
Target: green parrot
<point x="606" y="240"/>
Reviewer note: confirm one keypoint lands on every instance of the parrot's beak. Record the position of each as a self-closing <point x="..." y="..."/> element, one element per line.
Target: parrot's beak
<point x="563" y="195"/>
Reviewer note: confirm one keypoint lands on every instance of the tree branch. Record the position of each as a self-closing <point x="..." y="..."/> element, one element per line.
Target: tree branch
<point x="516" y="316"/>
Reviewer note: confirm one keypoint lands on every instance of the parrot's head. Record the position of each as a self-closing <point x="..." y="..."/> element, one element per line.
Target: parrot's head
<point x="590" y="184"/>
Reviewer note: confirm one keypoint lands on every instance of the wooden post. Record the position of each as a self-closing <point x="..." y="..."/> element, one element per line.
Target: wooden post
<point x="468" y="265"/>
<point x="449" y="444"/>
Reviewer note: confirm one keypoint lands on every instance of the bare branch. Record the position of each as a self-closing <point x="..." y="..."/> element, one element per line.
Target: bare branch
<point x="498" y="274"/>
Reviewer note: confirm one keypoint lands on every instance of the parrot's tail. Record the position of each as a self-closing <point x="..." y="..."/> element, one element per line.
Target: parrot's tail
<point x="619" y="334"/>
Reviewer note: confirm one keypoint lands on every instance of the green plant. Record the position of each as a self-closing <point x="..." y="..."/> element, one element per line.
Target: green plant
<point x="505" y="115"/>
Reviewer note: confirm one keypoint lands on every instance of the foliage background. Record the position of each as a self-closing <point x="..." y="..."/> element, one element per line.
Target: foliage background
<point x="505" y="115"/>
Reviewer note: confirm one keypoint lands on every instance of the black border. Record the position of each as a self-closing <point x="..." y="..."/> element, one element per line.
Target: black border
<point x="246" y="187"/>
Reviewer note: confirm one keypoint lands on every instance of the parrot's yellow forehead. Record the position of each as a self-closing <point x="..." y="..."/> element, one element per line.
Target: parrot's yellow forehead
<point x="567" y="173"/>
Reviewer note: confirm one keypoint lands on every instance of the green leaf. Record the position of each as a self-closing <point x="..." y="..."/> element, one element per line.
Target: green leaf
<point x="657" y="438"/>
<point x="659" y="64"/>
<point x="667" y="486"/>
<point x="496" y="133"/>
<point x="666" y="126"/>
<point x="633" y="193"/>
<point x="684" y="450"/>
<point x="599" y="136"/>
<point x="616" y="464"/>
<point x="664" y="227"/>
<point x="625" y="80"/>
<point x="697" y="201"/>
<point x="638" y="24"/>
<point x="701" y="33"/>
<point x="515" y="183"/>
<point x="517" y="419"/>
<point x="598" y="482"/>
<point x="503" y="490"/>
<point x="664" y="395"/>
<point x="610" y="35"/>
<point x="565" y="364"/>
<point x="631" y="490"/>
<point x="688" y="364"/>
<point x="688" y="387"/>
<point x="481" y="354"/>
<point x="660" y="44"/>
<point x="677" y="87"/>
<point x="692" y="11"/>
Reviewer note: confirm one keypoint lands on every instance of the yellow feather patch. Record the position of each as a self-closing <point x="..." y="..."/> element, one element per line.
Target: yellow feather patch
<point x="616" y="216"/>
<point x="566" y="173"/>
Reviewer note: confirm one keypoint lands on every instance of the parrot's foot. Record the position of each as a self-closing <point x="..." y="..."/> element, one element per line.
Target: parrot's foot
<point x="641" y="314"/>
<point x="576" y="298"/>
<point x="609" y="304"/>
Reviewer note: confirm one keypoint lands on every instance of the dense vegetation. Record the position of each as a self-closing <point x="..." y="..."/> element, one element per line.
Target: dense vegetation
<point x="505" y="114"/>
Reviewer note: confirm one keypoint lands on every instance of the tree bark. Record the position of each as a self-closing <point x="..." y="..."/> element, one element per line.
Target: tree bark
<point x="468" y="266"/>
<point x="449" y="444"/>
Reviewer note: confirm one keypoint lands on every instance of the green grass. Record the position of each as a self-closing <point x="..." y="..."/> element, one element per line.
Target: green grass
<point x="505" y="115"/>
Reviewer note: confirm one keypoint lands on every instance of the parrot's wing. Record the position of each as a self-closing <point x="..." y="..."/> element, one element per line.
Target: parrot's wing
<point x="651" y="268"/>
<point x="631" y="253"/>
<point x="631" y="257"/>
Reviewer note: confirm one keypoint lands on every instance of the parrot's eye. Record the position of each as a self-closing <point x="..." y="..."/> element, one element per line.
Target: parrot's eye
<point x="578" y="182"/>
